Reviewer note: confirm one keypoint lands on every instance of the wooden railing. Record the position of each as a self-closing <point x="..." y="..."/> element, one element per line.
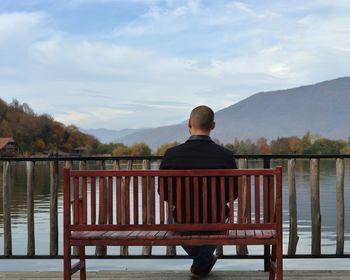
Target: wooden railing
<point x="56" y="163"/>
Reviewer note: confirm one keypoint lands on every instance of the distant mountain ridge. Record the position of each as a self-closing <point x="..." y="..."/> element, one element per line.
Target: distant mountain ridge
<point x="109" y="135"/>
<point x="322" y="108"/>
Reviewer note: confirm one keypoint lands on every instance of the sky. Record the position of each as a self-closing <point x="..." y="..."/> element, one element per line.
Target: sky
<point x="119" y="64"/>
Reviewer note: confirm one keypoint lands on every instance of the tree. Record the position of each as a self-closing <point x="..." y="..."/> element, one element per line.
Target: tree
<point x="120" y="150"/>
<point x="345" y="150"/>
<point x="280" y="146"/>
<point x="162" y="148"/>
<point x="295" y="145"/>
<point x="327" y="146"/>
<point x="140" y="149"/>
<point x="262" y="146"/>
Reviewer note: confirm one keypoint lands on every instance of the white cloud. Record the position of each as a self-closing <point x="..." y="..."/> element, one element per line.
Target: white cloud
<point x="20" y="25"/>
<point x="84" y="118"/>
<point x="178" y="53"/>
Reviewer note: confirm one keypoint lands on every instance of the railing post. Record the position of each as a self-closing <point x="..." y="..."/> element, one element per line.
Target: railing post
<point x="315" y="207"/>
<point x="53" y="208"/>
<point x="6" y="208"/>
<point x="30" y="209"/>
<point x="293" y="217"/>
<point x="340" y="205"/>
<point x="243" y="164"/>
<point x="267" y="251"/>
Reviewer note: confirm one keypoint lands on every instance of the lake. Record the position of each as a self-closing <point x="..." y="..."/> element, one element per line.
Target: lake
<point x="42" y="198"/>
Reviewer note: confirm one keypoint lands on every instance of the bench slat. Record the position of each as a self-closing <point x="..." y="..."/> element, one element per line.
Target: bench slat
<point x="127" y="237"/>
<point x="93" y="199"/>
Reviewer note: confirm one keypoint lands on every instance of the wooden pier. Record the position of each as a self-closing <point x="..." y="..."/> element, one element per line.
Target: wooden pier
<point x="180" y="274"/>
<point x="33" y="166"/>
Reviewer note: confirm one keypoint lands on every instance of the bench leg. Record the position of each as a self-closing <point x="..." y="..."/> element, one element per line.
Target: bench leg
<point x="67" y="262"/>
<point x="279" y="261"/>
<point x="276" y="268"/>
<point x="273" y="264"/>
<point x="83" y="262"/>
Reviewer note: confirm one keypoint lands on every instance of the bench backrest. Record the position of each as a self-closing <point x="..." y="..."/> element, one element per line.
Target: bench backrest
<point x="134" y="199"/>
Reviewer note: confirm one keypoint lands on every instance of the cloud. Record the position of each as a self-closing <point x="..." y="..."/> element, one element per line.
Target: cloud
<point x="152" y="65"/>
<point x="18" y="31"/>
<point x="84" y="117"/>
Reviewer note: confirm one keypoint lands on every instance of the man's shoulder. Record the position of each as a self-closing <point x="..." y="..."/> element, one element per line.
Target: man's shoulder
<point x="175" y="149"/>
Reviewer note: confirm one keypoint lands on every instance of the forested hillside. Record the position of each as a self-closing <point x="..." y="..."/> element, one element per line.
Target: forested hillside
<point x="40" y="133"/>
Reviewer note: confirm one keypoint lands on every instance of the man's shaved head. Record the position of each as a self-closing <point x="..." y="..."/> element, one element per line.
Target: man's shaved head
<point x="202" y="117"/>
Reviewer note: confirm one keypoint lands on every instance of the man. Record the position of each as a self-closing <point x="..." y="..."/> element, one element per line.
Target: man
<point x="199" y="152"/>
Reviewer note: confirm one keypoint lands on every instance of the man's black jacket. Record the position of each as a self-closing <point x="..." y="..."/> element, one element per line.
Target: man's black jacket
<point x="199" y="152"/>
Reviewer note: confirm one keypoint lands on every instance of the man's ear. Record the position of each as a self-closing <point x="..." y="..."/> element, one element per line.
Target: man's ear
<point x="213" y="126"/>
<point x="189" y="123"/>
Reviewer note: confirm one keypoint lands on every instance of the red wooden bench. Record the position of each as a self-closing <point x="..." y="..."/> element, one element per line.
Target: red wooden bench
<point x="123" y="208"/>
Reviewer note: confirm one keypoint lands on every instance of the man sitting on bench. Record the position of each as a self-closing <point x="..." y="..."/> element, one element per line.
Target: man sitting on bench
<point x="200" y="152"/>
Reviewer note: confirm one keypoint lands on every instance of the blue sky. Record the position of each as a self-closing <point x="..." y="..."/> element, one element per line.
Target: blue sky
<point x="145" y="63"/>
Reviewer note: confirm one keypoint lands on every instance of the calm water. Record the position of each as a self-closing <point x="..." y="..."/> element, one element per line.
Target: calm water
<point x="42" y="192"/>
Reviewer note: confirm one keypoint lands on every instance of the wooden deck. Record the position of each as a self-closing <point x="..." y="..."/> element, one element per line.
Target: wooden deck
<point x="177" y="275"/>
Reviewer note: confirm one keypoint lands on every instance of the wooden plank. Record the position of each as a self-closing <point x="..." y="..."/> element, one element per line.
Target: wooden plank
<point x="178" y="200"/>
<point x="93" y="199"/>
<point x="146" y="193"/>
<point x="187" y="199"/>
<point x="170" y="250"/>
<point x="6" y="208"/>
<point x="136" y="199"/>
<point x="205" y="199"/>
<point x="340" y="205"/>
<point x="222" y="200"/>
<point x="53" y="208"/>
<point x="124" y="250"/>
<point x="30" y="209"/>
<point x="110" y="200"/>
<point x="242" y="202"/>
<point x="293" y="217"/>
<point x="196" y="200"/>
<point x="168" y="273"/>
<point x="178" y="172"/>
<point x="315" y="207"/>
<point x="257" y="198"/>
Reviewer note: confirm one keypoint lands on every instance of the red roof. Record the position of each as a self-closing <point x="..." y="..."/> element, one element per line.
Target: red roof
<point x="5" y="140"/>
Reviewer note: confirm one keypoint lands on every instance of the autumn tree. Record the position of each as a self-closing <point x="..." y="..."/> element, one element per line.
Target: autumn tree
<point x="120" y="150"/>
<point x="162" y="148"/>
<point x="140" y="149"/>
<point x="41" y="133"/>
<point x="262" y="146"/>
<point x="280" y="146"/>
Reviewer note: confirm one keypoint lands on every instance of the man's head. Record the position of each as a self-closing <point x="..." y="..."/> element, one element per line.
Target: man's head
<point x="201" y="120"/>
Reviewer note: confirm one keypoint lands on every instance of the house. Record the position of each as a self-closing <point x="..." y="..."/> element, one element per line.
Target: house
<point x="8" y="147"/>
<point x="79" y="152"/>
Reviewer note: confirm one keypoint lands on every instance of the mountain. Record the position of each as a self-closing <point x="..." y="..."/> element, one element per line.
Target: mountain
<point x="41" y="134"/>
<point x="108" y="135"/>
<point x="321" y="108"/>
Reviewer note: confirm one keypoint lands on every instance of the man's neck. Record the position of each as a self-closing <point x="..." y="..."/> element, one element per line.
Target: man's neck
<point x="195" y="132"/>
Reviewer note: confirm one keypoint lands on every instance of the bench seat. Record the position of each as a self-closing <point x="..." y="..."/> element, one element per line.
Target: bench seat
<point x="229" y="237"/>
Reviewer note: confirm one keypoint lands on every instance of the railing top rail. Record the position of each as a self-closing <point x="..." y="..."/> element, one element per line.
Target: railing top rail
<point x="153" y="158"/>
